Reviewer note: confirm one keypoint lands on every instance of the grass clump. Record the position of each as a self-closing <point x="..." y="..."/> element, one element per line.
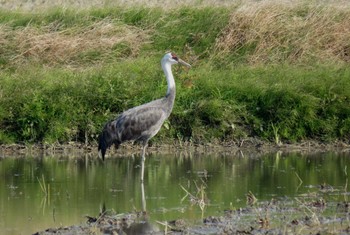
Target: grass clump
<point x="54" y="44"/>
<point x="277" y="71"/>
<point x="296" y="32"/>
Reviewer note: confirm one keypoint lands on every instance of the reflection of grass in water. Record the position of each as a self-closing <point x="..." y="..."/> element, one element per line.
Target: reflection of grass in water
<point x="346" y="185"/>
<point x="45" y="188"/>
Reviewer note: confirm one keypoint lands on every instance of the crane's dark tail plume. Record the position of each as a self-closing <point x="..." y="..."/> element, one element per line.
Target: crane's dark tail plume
<point x="102" y="146"/>
<point x="107" y="138"/>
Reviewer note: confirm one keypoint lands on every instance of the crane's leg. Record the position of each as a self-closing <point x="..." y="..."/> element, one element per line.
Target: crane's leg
<point x="143" y="197"/>
<point x="143" y="159"/>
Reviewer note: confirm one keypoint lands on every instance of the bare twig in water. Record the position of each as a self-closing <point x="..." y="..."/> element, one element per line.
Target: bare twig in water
<point x="251" y="199"/>
<point x="200" y="198"/>
<point x="313" y="219"/>
<point x="165" y="224"/>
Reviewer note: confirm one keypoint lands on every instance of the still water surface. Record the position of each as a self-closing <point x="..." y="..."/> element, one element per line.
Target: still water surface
<point x="79" y="186"/>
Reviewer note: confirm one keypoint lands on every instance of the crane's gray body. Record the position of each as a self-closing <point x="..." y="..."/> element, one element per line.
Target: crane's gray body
<point x="140" y="123"/>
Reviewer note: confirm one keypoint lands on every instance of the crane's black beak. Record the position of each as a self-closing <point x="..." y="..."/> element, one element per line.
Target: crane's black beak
<point x="184" y="63"/>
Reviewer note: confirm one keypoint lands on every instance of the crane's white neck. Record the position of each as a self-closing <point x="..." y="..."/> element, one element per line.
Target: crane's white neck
<point x="169" y="78"/>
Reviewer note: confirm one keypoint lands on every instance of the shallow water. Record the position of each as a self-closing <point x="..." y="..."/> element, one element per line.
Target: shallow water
<point x="41" y="192"/>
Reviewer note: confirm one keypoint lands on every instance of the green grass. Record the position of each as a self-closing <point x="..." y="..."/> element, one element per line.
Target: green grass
<point x="64" y="73"/>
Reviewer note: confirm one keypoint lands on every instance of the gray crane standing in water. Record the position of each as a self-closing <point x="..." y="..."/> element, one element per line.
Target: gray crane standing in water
<point x="143" y="122"/>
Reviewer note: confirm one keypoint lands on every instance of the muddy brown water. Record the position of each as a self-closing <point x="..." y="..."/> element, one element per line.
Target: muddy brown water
<point x="37" y="193"/>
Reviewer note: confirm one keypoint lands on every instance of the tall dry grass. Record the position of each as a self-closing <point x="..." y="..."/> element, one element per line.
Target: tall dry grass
<point x="54" y="44"/>
<point x="297" y="31"/>
<point x="39" y="5"/>
<point x="257" y="32"/>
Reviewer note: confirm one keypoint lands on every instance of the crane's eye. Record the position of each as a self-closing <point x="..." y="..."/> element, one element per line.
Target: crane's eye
<point x="174" y="56"/>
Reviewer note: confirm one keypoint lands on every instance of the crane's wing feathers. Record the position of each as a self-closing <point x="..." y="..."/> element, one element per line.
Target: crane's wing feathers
<point x="140" y="124"/>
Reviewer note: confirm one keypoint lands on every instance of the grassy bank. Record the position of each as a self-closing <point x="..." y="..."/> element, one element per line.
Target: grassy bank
<point x="277" y="71"/>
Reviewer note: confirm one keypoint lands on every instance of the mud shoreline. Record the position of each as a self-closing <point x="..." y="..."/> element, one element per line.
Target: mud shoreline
<point x="252" y="145"/>
<point x="273" y="217"/>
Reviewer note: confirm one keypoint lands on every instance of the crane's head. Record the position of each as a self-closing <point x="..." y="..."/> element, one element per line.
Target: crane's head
<point x="173" y="59"/>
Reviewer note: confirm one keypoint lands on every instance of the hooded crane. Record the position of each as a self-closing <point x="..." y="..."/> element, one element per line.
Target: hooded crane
<point x="143" y="122"/>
